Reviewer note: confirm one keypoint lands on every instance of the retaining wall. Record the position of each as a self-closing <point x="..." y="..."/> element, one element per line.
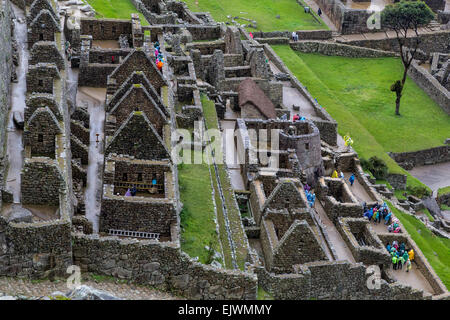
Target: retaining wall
<point x="409" y="160"/>
<point x="438" y="41"/>
<point x="319" y="280"/>
<point x="162" y="265"/>
<point x="430" y="85"/>
<point x="337" y="49"/>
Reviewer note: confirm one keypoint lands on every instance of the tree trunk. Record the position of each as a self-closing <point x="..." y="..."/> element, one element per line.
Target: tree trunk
<point x="400" y="92"/>
<point x="397" y="104"/>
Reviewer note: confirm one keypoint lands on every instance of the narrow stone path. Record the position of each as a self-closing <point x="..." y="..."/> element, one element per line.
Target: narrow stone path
<point x="14" y="139"/>
<point x="94" y="98"/>
<point x="340" y="247"/>
<point x="314" y="7"/>
<point x="357" y="189"/>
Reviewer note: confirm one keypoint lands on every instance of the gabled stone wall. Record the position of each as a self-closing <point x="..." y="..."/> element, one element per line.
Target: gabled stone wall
<point x="42" y="182"/>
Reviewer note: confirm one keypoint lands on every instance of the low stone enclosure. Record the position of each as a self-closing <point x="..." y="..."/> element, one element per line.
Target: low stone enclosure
<point x="143" y="106"/>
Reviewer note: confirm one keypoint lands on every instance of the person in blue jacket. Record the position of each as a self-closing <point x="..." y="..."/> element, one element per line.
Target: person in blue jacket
<point x="352" y="179"/>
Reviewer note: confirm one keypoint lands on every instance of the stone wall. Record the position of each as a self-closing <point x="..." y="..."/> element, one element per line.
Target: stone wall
<point x="138" y="99"/>
<point x="137" y="137"/>
<point x="41" y="77"/>
<point x="318" y="280"/>
<point x="35" y="250"/>
<point x="43" y="28"/>
<point x="337" y="49"/>
<point x="137" y="214"/>
<point x="42" y="100"/>
<point x="40" y="133"/>
<point x="397" y="180"/>
<point x="42" y="182"/>
<point x="409" y="160"/>
<point x="105" y="29"/>
<point x="420" y="260"/>
<point x="373" y="252"/>
<point x="47" y="52"/>
<point x="430" y="85"/>
<point x="79" y="150"/>
<point x="162" y="265"/>
<point x="77" y="128"/>
<point x="95" y="74"/>
<point x="436" y="5"/>
<point x="438" y="41"/>
<point x="443" y="17"/>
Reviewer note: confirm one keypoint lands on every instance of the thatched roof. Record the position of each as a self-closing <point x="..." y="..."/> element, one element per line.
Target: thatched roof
<point x="250" y="92"/>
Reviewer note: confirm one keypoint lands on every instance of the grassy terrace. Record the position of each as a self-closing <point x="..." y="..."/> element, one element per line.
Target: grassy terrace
<point x="197" y="216"/>
<point x="264" y="12"/>
<point x="234" y="217"/>
<point x="435" y="249"/>
<point x="355" y="92"/>
<point x="116" y="9"/>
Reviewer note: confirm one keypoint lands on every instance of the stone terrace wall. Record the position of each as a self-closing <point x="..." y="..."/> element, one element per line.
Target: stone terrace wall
<point x="5" y="76"/>
<point x="413" y="159"/>
<point x="337" y="49"/>
<point x="162" y="265"/>
<point x="319" y="280"/>
<point x="430" y="42"/>
<point x="430" y="85"/>
<point x="327" y="126"/>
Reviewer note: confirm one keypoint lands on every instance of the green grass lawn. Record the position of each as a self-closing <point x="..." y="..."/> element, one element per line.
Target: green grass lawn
<point x="435" y="249"/>
<point x="264" y="12"/>
<point x="234" y="216"/>
<point x="355" y="92"/>
<point x="116" y="9"/>
<point x="197" y="216"/>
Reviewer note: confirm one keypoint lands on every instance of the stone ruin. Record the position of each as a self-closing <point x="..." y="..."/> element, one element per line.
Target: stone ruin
<point x="294" y="250"/>
<point x="440" y="69"/>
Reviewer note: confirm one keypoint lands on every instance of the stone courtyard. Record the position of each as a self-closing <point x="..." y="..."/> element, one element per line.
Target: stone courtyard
<point x="98" y="109"/>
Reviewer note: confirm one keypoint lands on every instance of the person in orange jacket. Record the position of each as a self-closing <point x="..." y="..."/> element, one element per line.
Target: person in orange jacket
<point x="159" y="64"/>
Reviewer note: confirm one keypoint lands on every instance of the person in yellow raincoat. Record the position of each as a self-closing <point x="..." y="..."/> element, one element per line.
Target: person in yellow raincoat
<point x="411" y="255"/>
<point x="335" y="174"/>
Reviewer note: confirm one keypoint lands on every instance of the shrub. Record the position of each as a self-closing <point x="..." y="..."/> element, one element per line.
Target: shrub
<point x="418" y="191"/>
<point x="376" y="166"/>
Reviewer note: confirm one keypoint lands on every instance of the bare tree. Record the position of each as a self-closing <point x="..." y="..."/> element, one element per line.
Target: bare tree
<point x="405" y="18"/>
